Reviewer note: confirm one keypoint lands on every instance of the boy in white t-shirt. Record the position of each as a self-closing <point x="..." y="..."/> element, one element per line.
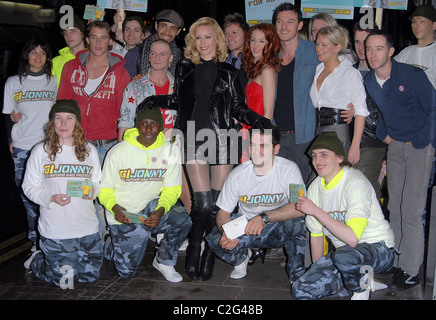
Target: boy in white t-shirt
<point x="261" y="189"/>
<point x="422" y="54"/>
<point x="342" y="205"/>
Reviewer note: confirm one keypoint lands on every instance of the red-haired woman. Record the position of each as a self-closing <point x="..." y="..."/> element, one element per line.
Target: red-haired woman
<point x="260" y="63"/>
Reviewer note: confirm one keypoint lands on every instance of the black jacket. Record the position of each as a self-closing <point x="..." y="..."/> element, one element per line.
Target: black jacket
<point x="368" y="138"/>
<point x="226" y="101"/>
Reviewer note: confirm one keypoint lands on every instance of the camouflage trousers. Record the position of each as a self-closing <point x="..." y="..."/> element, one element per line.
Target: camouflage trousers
<point x="127" y="244"/>
<point x="63" y="261"/>
<point x="290" y="234"/>
<point x="32" y="210"/>
<point x="342" y="270"/>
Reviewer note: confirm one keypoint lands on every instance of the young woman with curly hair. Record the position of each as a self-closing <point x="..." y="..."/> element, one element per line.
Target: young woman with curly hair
<point x="68" y="224"/>
<point x="261" y="64"/>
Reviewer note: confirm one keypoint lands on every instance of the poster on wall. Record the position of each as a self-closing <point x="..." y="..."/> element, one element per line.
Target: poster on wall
<point x="339" y="9"/>
<point x="129" y="5"/>
<point x="384" y="4"/>
<point x="261" y="11"/>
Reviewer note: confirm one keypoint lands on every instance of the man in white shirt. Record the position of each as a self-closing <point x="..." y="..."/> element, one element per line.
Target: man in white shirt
<point x="423" y="54"/>
<point x="261" y="189"/>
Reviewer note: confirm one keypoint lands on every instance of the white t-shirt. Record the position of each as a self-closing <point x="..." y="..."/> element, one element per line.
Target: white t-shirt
<point x="352" y="197"/>
<point x="34" y="98"/>
<point x="43" y="178"/>
<point x="340" y="88"/>
<point x="257" y="194"/>
<point x="424" y="58"/>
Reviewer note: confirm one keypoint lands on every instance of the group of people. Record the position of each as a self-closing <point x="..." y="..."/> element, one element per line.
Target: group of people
<point x="148" y="129"/>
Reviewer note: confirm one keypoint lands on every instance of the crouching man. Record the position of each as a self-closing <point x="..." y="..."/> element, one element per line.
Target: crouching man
<point x="260" y="188"/>
<point x="143" y="175"/>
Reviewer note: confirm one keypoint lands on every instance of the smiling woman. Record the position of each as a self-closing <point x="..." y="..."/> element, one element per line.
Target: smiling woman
<point x="68" y="223"/>
<point x="28" y="97"/>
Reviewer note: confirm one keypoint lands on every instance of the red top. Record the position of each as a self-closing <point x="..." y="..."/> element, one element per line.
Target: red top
<point x="254" y="95"/>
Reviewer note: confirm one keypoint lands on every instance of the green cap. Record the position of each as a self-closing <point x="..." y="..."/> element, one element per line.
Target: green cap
<point x="149" y="113"/>
<point x="427" y="11"/>
<point x="65" y="105"/>
<point x="327" y="140"/>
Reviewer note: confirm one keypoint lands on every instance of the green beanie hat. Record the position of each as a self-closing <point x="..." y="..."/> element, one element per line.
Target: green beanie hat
<point x="143" y="112"/>
<point x="65" y="105"/>
<point x="327" y="140"/>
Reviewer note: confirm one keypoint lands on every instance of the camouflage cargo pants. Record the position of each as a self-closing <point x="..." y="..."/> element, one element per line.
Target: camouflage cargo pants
<point x="32" y="210"/>
<point x="127" y="244"/>
<point x="290" y="234"/>
<point x="63" y="261"/>
<point x="345" y="269"/>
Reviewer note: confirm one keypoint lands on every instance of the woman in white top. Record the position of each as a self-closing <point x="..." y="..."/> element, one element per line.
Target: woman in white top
<point x="63" y="176"/>
<point x="337" y="84"/>
<point x="28" y="98"/>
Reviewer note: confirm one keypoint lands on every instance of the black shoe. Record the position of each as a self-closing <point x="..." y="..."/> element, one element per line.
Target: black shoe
<point x="403" y="281"/>
<point x="256" y="254"/>
<point x="207" y="264"/>
<point x="192" y="264"/>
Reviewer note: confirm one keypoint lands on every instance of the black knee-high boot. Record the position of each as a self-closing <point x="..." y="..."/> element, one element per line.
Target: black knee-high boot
<point x="208" y="257"/>
<point x="203" y="202"/>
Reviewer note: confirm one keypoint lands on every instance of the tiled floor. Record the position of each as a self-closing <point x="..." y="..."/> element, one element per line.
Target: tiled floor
<point x="266" y="281"/>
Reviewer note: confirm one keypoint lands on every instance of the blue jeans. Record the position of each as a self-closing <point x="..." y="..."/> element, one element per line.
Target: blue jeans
<point x="99" y="210"/>
<point x="20" y="157"/>
<point x="341" y="270"/>
<point x="78" y="259"/>
<point x="296" y="153"/>
<point x="290" y="234"/>
<point x="127" y="244"/>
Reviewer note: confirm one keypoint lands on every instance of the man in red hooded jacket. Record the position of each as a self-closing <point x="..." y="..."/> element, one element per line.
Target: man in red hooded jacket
<point x="96" y="79"/>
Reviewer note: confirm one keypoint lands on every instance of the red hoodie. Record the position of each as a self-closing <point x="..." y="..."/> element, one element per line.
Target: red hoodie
<point x="100" y="111"/>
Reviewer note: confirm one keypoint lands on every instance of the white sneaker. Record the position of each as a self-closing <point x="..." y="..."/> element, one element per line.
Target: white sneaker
<point x="159" y="237"/>
<point x="361" y="295"/>
<point x="29" y="261"/>
<point x="167" y="271"/>
<point x="184" y="245"/>
<point x="240" y="271"/>
<point x="373" y="286"/>
<point x="377" y="285"/>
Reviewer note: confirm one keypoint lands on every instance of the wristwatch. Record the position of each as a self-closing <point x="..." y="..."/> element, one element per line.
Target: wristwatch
<point x="264" y="217"/>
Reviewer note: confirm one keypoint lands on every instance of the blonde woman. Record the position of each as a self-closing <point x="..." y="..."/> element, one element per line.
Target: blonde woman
<point x="207" y="96"/>
<point x="319" y="21"/>
<point x="68" y="225"/>
<point x="337" y="84"/>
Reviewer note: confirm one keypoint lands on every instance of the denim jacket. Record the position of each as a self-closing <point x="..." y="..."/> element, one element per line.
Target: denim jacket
<point x="306" y="61"/>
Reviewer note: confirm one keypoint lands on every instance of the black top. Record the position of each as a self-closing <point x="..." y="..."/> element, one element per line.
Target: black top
<point x="284" y="106"/>
<point x="205" y="73"/>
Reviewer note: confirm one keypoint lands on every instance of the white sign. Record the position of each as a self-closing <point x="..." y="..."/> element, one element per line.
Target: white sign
<point x="261" y="11"/>
<point x="129" y="5"/>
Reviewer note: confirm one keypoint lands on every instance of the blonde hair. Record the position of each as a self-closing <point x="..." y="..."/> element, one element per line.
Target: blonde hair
<point x="190" y="50"/>
<point x="327" y="18"/>
<point x="337" y="35"/>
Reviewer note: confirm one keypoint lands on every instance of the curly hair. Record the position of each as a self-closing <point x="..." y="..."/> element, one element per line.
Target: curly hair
<point x="269" y="55"/>
<point x="191" y="51"/>
<point x="53" y="146"/>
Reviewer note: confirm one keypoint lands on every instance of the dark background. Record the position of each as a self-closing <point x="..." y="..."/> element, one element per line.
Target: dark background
<point x="12" y="38"/>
